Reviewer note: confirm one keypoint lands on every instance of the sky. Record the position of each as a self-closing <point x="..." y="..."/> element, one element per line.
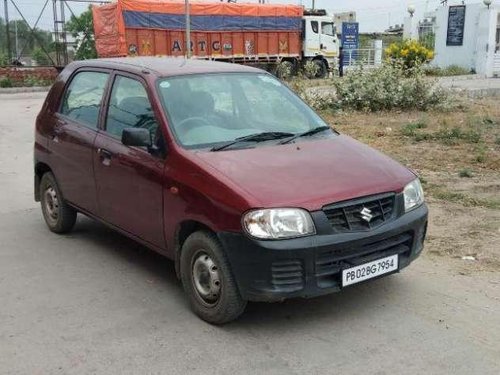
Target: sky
<point x="373" y="15"/>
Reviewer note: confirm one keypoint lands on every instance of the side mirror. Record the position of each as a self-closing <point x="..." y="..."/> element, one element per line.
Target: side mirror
<point x="138" y="137"/>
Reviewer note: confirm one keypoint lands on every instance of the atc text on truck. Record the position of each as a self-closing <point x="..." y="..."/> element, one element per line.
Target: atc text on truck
<point x="271" y="36"/>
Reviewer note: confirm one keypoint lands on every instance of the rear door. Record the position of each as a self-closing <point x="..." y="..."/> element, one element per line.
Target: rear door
<point x="72" y="137"/>
<point x="130" y="179"/>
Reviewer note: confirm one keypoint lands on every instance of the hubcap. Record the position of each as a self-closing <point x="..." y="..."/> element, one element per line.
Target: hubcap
<point x="51" y="203"/>
<point x="206" y="279"/>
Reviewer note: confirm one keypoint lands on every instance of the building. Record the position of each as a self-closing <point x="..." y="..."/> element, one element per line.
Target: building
<point x="469" y="36"/>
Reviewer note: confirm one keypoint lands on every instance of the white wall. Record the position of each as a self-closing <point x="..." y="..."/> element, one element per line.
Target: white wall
<point x="479" y="40"/>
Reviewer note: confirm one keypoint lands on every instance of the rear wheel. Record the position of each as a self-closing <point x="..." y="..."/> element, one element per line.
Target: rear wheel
<point x="58" y="215"/>
<point x="321" y="70"/>
<point x="208" y="281"/>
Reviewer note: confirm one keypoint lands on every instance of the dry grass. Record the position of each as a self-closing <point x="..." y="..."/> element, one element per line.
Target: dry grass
<point x="457" y="155"/>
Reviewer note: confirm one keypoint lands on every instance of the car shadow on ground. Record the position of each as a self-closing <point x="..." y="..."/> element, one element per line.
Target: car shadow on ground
<point x="348" y="305"/>
<point x="105" y="238"/>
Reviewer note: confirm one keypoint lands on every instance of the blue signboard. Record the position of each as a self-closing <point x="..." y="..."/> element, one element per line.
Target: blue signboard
<point x="350" y="40"/>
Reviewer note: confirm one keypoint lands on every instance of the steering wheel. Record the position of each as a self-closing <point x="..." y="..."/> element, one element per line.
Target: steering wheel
<point x="197" y="122"/>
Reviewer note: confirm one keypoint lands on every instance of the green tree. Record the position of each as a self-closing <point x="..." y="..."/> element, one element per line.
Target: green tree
<point x="27" y="40"/>
<point x="40" y="57"/>
<point x="82" y="29"/>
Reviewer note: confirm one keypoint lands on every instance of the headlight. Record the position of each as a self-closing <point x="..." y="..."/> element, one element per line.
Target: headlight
<point x="278" y="223"/>
<point x="414" y="195"/>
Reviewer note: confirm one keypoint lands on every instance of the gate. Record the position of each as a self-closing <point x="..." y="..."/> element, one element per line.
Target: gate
<point x="496" y="64"/>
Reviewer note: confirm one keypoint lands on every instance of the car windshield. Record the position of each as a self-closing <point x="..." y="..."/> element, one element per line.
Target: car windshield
<point x="215" y="109"/>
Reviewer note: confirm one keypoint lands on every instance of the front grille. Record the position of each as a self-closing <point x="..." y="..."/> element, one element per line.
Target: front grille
<point x="329" y="264"/>
<point x="287" y="276"/>
<point x="349" y="216"/>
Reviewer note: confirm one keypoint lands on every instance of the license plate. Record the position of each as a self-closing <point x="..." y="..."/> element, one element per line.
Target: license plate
<point x="369" y="270"/>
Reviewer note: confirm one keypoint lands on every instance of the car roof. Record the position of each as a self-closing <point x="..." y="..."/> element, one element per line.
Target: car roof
<point x="165" y="66"/>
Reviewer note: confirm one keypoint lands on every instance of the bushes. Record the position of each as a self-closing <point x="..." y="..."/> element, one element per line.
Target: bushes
<point x="410" y="52"/>
<point x="5" y="82"/>
<point x="4" y="60"/>
<point x="388" y="87"/>
<point x="391" y="86"/>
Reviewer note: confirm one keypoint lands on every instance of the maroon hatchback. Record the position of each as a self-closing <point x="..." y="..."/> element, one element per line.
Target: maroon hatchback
<point x="223" y="169"/>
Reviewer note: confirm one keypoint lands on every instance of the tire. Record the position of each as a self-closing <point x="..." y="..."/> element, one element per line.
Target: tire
<point x="208" y="281"/>
<point x="58" y="215"/>
<point x="322" y="70"/>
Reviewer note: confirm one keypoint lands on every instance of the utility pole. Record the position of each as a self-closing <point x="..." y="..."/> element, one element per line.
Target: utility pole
<point x="17" y="42"/>
<point x="314" y="4"/>
<point x="7" y="30"/>
<point x="188" y="31"/>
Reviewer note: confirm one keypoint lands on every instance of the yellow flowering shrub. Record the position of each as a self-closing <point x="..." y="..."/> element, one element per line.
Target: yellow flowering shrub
<point x="410" y="52"/>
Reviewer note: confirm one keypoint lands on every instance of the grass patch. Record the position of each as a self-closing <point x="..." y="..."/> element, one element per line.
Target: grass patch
<point x="410" y="129"/>
<point x="465" y="173"/>
<point x="452" y="136"/>
<point x="446" y="136"/>
<point x="481" y="154"/>
<point x="441" y="193"/>
<point x="449" y="71"/>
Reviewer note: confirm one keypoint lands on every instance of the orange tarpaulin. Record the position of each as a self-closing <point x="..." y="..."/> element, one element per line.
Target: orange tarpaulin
<point x="144" y="27"/>
<point x="109" y="30"/>
<point x="213" y="8"/>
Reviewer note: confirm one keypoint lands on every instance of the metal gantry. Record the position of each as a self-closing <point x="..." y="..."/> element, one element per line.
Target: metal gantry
<point x="59" y="8"/>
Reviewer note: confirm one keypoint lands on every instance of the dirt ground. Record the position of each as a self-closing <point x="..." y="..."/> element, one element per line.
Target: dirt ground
<point x="457" y="155"/>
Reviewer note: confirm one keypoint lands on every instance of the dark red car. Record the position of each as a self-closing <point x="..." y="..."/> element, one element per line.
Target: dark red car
<point x="225" y="170"/>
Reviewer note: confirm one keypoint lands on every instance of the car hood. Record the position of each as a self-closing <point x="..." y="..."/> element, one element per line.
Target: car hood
<point x="308" y="174"/>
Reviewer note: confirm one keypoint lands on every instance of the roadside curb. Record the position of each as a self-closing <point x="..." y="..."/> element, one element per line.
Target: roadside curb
<point x="18" y="90"/>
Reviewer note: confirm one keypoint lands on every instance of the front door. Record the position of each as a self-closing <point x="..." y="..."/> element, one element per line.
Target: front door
<point x="329" y="46"/>
<point x="72" y="139"/>
<point x="130" y="179"/>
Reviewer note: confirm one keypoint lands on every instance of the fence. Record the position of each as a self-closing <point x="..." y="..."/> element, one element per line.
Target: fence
<point x="367" y="57"/>
<point x="427" y="35"/>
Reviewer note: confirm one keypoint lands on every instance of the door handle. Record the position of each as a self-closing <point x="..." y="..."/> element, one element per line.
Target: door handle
<point x="104" y="153"/>
<point x="105" y="156"/>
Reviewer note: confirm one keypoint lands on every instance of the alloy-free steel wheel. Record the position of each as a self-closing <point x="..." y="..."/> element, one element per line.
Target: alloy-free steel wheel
<point x="208" y="281"/>
<point x="58" y="215"/>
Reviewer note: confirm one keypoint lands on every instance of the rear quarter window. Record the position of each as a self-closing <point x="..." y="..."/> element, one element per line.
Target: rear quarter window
<point x="83" y="97"/>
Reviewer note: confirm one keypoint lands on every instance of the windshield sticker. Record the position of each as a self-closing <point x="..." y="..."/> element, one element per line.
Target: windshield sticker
<point x="268" y="79"/>
<point x="164" y="84"/>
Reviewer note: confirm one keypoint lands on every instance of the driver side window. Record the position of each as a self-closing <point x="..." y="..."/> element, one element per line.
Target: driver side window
<point x="129" y="107"/>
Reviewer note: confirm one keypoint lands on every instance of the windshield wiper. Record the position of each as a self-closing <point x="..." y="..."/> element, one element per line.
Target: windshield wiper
<point x="258" y="137"/>
<point x="308" y="133"/>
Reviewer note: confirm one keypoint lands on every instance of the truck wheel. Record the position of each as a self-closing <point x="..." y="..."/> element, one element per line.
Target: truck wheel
<point x="322" y="70"/>
<point x="58" y="215"/>
<point x="207" y="279"/>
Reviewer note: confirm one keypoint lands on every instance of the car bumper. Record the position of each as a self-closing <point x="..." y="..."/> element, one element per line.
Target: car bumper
<point x="312" y="266"/>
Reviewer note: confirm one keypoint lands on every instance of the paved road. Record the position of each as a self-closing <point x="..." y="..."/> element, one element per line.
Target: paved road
<point x="96" y="302"/>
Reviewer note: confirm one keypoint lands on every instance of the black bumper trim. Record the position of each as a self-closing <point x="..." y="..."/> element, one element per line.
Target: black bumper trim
<point x="311" y="266"/>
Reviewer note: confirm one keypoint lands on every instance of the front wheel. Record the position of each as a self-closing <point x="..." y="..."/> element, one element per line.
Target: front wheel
<point x="58" y="215"/>
<point x="208" y="281"/>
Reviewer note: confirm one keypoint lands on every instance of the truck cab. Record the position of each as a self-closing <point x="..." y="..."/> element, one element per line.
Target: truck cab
<point x="320" y="42"/>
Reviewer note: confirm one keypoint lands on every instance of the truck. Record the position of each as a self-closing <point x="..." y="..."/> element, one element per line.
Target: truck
<point x="277" y="37"/>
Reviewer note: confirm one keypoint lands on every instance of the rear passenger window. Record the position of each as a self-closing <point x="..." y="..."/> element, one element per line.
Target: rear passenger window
<point x="82" y="99"/>
<point x="129" y="107"/>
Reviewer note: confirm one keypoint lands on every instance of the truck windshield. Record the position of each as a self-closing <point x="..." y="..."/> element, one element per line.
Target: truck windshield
<point x="210" y="110"/>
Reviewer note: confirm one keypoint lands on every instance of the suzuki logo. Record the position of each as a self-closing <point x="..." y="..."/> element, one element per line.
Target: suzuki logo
<point x="366" y="214"/>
